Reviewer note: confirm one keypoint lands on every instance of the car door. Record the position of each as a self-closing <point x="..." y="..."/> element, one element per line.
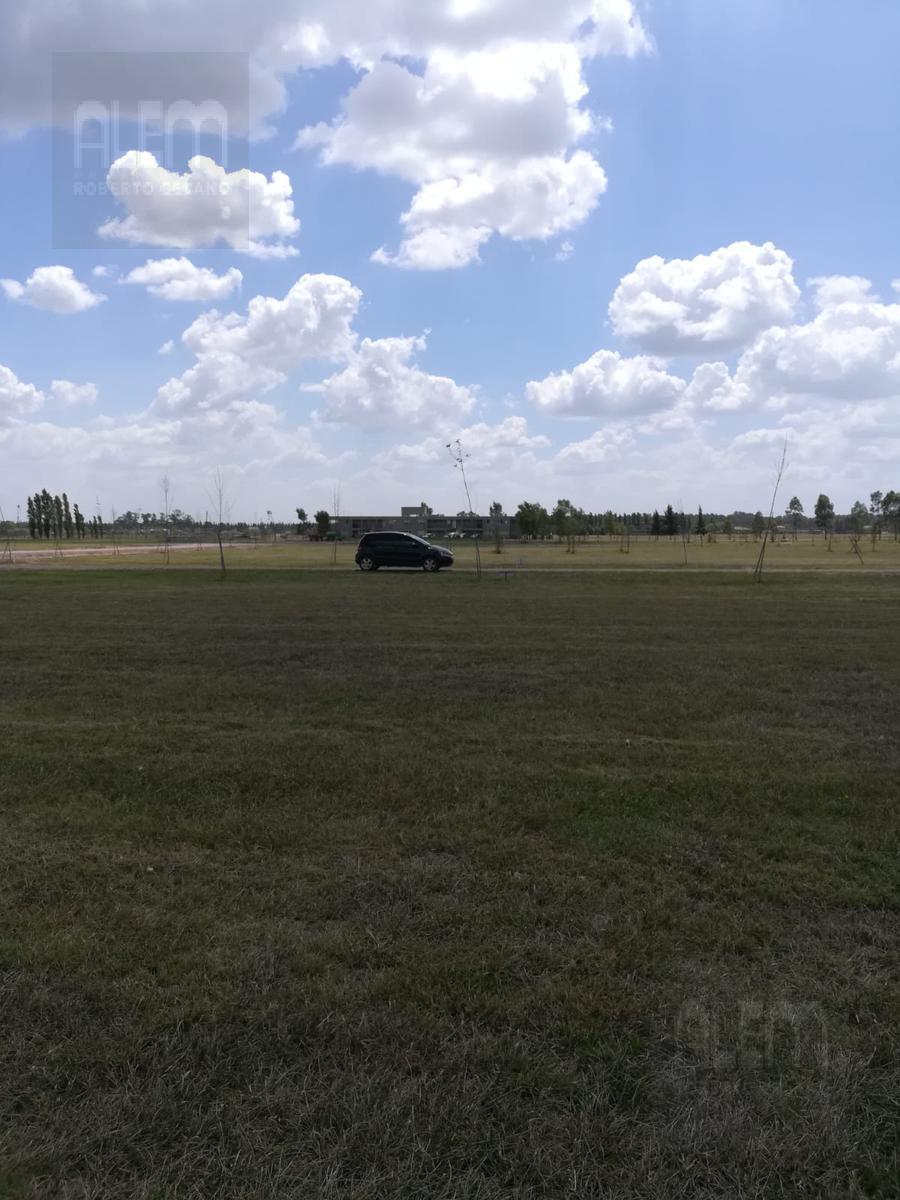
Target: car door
<point x="390" y="550"/>
<point x="372" y="545"/>
<point x="410" y="551"/>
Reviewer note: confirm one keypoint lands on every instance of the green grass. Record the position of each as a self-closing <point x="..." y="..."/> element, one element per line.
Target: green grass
<point x="321" y="885"/>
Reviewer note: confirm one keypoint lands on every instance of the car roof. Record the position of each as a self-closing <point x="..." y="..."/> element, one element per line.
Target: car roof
<point x="400" y="532"/>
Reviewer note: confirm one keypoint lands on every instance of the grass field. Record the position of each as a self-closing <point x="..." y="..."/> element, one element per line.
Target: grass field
<point x="644" y="553"/>
<point x="332" y="886"/>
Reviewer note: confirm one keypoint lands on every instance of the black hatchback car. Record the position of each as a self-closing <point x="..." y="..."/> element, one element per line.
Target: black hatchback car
<point x="400" y="550"/>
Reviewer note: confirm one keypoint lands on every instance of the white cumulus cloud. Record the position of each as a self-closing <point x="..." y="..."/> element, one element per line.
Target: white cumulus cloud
<point x="450" y="219"/>
<point x="465" y="112"/>
<point x="488" y="137"/>
<point x="446" y="93"/>
<point x="238" y="356"/>
<point x="55" y="289"/>
<point x="205" y="206"/>
<point x="381" y="386"/>
<point x="16" y="398"/>
<point x="604" y="446"/>
<point x="180" y="279"/>
<point x="282" y="36"/>
<point x="607" y="385"/>
<point x="713" y="387"/>
<point x="841" y="289"/>
<point x="73" y="394"/>
<point x="849" y="351"/>
<point x="717" y="301"/>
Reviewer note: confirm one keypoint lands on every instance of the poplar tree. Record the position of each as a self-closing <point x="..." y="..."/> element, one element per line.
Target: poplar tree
<point x="57" y="517"/>
<point x="46" y="512"/>
<point x="67" y="516"/>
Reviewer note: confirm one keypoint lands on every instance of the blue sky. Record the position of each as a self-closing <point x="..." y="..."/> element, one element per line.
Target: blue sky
<point x="734" y="127"/>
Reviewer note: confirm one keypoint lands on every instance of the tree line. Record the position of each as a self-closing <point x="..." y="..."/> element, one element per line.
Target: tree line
<point x="881" y="513"/>
<point x="321" y="520"/>
<point x="565" y="520"/>
<point x="52" y="517"/>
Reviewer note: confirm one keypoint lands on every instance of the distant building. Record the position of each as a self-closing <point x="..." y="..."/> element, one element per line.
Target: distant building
<point x="419" y="519"/>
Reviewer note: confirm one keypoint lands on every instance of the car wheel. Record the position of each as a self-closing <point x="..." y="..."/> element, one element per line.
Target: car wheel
<point x="430" y="563"/>
<point x="367" y="563"/>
